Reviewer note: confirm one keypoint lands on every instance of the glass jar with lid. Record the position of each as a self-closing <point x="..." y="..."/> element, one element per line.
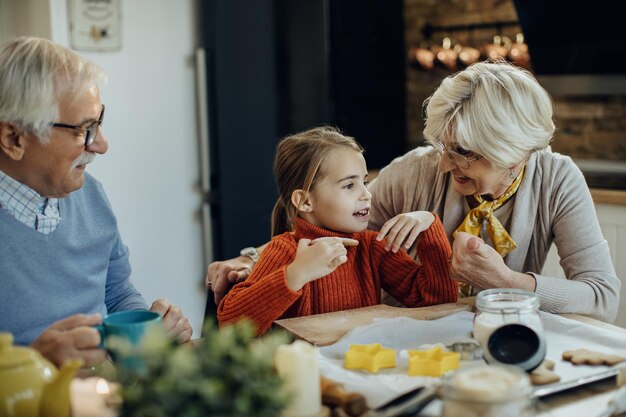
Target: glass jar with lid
<point x="487" y="391"/>
<point x="511" y="316"/>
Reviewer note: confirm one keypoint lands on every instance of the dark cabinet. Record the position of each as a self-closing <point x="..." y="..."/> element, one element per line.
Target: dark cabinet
<point x="276" y="67"/>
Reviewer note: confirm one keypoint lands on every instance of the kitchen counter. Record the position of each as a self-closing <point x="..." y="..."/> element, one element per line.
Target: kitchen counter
<point x="606" y="196"/>
<point x="605" y="179"/>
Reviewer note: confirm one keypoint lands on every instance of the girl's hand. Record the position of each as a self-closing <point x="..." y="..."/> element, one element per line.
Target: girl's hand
<point x="316" y="259"/>
<point x="404" y="229"/>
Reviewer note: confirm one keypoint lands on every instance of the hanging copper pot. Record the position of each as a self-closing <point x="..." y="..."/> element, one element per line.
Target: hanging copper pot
<point x="445" y="55"/>
<point x="468" y="55"/>
<point x="519" y="52"/>
<point x="498" y="49"/>
<point x="423" y="58"/>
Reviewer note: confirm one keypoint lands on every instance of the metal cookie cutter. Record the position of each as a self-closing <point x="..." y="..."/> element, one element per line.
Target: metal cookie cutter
<point x="470" y="351"/>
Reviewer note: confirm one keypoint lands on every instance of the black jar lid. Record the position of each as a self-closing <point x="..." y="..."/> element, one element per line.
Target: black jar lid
<point x="516" y="344"/>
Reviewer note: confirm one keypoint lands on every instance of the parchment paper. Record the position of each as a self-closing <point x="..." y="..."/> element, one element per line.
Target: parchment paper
<point x="402" y="333"/>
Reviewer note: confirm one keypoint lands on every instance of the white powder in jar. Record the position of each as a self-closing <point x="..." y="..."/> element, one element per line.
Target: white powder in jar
<point x="487" y="391"/>
<point x="493" y="313"/>
<point x="488" y="383"/>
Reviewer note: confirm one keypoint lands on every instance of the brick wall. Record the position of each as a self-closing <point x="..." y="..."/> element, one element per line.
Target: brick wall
<point x="591" y="127"/>
<point x="587" y="126"/>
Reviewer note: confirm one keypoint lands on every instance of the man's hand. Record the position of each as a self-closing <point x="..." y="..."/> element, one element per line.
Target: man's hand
<point x="70" y="338"/>
<point x="222" y="275"/>
<point x="175" y="323"/>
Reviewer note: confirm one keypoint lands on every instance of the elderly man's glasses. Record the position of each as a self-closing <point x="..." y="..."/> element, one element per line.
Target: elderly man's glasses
<point x="90" y="131"/>
<point x="461" y="157"/>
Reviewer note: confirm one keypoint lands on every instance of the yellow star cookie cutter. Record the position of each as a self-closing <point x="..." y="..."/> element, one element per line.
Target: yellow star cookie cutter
<point x="370" y="357"/>
<point x="432" y="362"/>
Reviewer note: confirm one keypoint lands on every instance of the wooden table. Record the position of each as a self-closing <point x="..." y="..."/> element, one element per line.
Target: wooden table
<point x="326" y="329"/>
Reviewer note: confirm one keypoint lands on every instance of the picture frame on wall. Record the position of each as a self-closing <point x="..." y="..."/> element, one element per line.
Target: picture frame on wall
<point x="95" y="25"/>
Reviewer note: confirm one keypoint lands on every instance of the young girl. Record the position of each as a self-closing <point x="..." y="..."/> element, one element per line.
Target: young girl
<point x="322" y="258"/>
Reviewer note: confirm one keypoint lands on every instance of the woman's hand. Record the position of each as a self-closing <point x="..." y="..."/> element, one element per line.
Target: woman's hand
<point x="316" y="259"/>
<point x="478" y="264"/>
<point x="404" y="229"/>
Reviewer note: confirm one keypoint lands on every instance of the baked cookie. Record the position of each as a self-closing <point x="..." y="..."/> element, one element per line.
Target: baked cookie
<point x="590" y="357"/>
<point x="544" y="374"/>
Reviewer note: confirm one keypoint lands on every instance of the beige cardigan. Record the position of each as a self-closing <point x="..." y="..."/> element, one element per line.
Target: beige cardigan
<point x="553" y="204"/>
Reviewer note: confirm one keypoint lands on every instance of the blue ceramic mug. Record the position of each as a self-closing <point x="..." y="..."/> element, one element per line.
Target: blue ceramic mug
<point x="121" y="333"/>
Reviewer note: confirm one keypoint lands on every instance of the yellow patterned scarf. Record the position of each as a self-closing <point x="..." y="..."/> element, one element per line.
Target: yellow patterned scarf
<point x="502" y="241"/>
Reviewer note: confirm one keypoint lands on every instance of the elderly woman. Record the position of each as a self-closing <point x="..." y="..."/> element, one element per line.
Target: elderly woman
<point x="502" y="196"/>
<point x="490" y="173"/>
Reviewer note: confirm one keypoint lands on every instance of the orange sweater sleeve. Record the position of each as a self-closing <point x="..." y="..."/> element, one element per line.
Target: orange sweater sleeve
<point x="419" y="285"/>
<point x="264" y="296"/>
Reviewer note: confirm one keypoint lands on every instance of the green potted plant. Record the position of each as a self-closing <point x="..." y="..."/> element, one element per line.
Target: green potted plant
<point x="227" y="373"/>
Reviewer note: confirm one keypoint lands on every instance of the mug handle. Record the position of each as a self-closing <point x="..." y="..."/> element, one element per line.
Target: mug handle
<point x="101" y="329"/>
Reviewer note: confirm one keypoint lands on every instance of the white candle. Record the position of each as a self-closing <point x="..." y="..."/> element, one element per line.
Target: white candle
<point x="88" y="398"/>
<point x="297" y="365"/>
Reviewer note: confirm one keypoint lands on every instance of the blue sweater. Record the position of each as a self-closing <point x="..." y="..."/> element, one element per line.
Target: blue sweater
<point x="81" y="267"/>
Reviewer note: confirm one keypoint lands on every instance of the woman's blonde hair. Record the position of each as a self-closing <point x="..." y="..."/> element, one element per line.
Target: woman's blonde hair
<point x="299" y="165"/>
<point x="35" y="74"/>
<point x="494" y="109"/>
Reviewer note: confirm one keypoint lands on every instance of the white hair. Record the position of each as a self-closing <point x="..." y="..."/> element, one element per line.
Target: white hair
<point x="35" y="75"/>
<point x="494" y="109"/>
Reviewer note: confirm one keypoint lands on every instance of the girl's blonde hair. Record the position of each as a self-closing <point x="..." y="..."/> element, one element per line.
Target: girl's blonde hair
<point x="299" y="165"/>
<point x="494" y="109"/>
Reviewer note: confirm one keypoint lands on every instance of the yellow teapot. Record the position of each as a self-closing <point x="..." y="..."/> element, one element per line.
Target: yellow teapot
<point x="30" y="385"/>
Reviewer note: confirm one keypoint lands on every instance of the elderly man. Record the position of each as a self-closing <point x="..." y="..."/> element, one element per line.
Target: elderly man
<point x="63" y="264"/>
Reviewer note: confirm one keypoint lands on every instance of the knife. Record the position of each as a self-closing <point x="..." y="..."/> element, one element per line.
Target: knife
<point x="407" y="404"/>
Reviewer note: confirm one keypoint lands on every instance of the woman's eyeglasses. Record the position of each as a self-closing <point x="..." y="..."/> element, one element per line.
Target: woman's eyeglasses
<point x="461" y="157"/>
<point x="90" y="131"/>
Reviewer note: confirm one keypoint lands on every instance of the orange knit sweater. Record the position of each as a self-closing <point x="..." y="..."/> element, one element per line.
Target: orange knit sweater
<point x="265" y="297"/>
